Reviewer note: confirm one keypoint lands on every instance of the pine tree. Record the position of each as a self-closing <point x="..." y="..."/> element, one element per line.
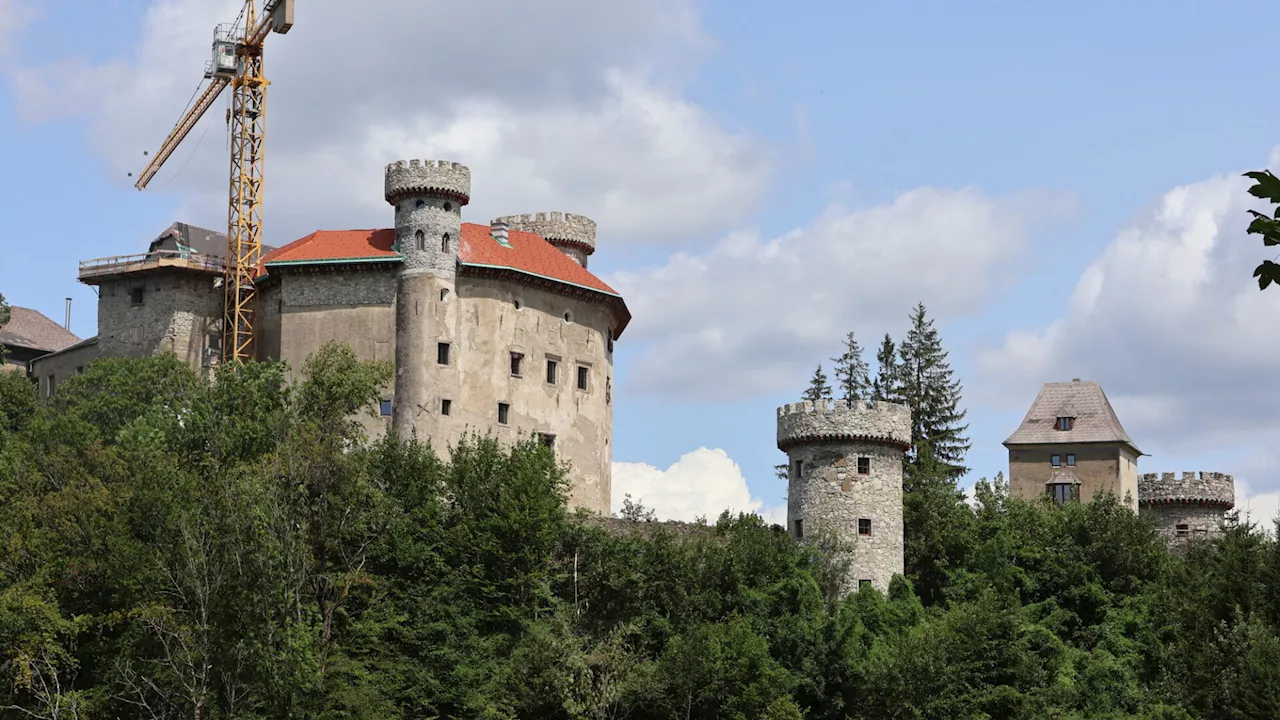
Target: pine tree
<point x="819" y="388"/>
<point x="933" y="394"/>
<point x="887" y="384"/>
<point x="851" y="373"/>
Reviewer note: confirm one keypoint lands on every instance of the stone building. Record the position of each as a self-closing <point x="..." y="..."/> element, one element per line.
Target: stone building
<point x="845" y="479"/>
<point x="30" y="335"/>
<point x="1072" y="447"/>
<point x="1193" y="506"/>
<point x="495" y="329"/>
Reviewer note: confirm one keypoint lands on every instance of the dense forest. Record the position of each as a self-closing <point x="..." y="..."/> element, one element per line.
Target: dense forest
<point x="171" y="548"/>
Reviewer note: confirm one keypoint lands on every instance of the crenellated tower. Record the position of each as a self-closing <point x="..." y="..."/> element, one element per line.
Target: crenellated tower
<point x="428" y="197"/>
<point x="573" y="235"/>
<point x="845" y="479"/>
<point x="1194" y="505"/>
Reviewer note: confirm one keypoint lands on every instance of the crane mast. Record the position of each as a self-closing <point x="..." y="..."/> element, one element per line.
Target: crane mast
<point x="237" y="61"/>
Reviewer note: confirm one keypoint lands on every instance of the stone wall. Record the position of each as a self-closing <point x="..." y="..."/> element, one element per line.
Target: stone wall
<point x="1188" y="507"/>
<point x="144" y="314"/>
<point x="829" y="495"/>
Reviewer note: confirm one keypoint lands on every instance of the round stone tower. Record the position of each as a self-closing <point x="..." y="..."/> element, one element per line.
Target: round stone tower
<point x="574" y="235"/>
<point x="428" y="196"/>
<point x="1191" y="507"/>
<point x="845" y="481"/>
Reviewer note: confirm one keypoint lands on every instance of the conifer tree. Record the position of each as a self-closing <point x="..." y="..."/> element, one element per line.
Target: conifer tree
<point x="852" y="373"/>
<point x="933" y="393"/>
<point x="887" y="384"/>
<point x="819" y="388"/>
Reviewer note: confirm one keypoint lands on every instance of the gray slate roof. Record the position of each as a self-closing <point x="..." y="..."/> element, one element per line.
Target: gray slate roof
<point x="1084" y="400"/>
<point x="28" y="328"/>
<point x="198" y="239"/>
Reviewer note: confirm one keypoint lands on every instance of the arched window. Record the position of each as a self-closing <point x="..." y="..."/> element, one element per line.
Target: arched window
<point x="422" y="241"/>
<point x="420" y="204"/>
<point x="444" y="243"/>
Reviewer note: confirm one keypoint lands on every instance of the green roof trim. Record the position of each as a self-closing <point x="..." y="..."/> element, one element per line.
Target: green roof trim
<point x="544" y="277"/>
<point x="336" y="261"/>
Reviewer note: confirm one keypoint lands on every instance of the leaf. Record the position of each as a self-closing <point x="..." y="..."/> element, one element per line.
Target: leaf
<point x="1266" y="227"/>
<point x="1268" y="272"/>
<point x="1267" y="185"/>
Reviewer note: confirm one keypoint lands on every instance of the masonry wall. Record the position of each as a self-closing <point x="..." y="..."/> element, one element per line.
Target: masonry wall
<point x="1097" y="465"/>
<point x="481" y="322"/>
<point x="178" y="312"/>
<point x="1180" y="523"/>
<point x="62" y="366"/>
<point x="826" y="494"/>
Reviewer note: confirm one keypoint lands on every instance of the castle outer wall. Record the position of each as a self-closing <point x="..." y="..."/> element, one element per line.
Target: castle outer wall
<point x="1187" y="507"/>
<point x="845" y="480"/>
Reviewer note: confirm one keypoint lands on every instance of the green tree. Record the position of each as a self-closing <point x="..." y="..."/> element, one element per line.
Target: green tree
<point x="819" y="388"/>
<point x="1267" y="187"/>
<point x="851" y="373"/>
<point x="887" y="384"/>
<point x="933" y="393"/>
<point x="4" y="320"/>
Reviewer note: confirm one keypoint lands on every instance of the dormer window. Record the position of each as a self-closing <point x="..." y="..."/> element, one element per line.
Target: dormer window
<point x="1065" y="423"/>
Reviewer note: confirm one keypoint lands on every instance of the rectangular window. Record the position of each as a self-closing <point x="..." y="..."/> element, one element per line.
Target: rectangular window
<point x="503" y="411"/>
<point x="1062" y="493"/>
<point x="582" y="378"/>
<point x="442" y="353"/>
<point x="799" y="529"/>
<point x="1182" y="530"/>
<point x="446" y="406"/>
<point x="1071" y="460"/>
<point x="551" y="371"/>
<point x="548" y="440"/>
<point x="864" y="466"/>
<point x="799" y="468"/>
<point x="1055" y="460"/>
<point x="49" y="386"/>
<point x="515" y="363"/>
<point x="864" y="584"/>
<point x="385" y="408"/>
<point x="136" y="295"/>
<point x="864" y="526"/>
<point x="1065" y="423"/>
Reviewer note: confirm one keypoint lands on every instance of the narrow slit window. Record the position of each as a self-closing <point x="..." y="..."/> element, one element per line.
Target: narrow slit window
<point x="444" y="243"/>
<point x="442" y="353"/>
<point x="582" y="377"/>
<point x="446" y="406"/>
<point x="551" y="371"/>
<point x="799" y="529"/>
<point x="516" y="359"/>
<point x="422" y="241"/>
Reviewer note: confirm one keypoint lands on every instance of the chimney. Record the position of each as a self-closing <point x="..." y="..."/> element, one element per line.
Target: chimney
<point x="67" y="325"/>
<point x="1075" y="379"/>
<point x="499" y="229"/>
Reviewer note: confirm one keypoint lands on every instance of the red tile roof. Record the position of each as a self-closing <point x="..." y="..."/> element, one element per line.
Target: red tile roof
<point x="528" y="254"/>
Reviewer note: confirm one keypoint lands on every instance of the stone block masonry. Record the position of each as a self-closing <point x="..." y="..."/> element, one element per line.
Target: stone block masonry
<point x="845" y="482"/>
<point x="1192" y="506"/>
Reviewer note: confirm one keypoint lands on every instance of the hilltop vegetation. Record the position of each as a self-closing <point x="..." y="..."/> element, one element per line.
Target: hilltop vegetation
<point x="174" y="549"/>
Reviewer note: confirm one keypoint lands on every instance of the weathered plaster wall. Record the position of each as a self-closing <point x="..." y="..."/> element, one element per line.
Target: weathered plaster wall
<point x="178" y="311"/>
<point x="62" y="366"/>
<point x="1097" y="465"/>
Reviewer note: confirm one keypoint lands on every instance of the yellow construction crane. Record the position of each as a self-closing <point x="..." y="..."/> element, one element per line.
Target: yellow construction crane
<point x="237" y="61"/>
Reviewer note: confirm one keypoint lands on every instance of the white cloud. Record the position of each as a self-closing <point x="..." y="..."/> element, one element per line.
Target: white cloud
<point x="14" y="15"/>
<point x="701" y="483"/>
<point x="561" y="105"/>
<point x="747" y="316"/>
<point x="1170" y="321"/>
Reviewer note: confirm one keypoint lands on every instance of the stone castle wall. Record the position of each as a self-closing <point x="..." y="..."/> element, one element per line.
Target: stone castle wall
<point x="1189" y="506"/>
<point x="845" y="482"/>
<point x="179" y="311"/>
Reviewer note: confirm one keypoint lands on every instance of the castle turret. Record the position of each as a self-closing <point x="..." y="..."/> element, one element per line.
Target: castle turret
<point x="428" y="197"/>
<point x="574" y="235"/>
<point x="845" y="481"/>
<point x="1192" y="506"/>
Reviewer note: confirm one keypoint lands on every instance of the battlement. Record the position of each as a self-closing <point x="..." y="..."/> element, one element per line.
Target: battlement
<point x="557" y="228"/>
<point x="1192" y="488"/>
<point x="413" y="177"/>
<point x="825" y="421"/>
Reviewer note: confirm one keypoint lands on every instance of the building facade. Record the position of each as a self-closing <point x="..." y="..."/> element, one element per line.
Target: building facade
<point x="29" y="336"/>
<point x="845" y="482"/>
<point x="494" y="329"/>
<point x="1188" y="506"/>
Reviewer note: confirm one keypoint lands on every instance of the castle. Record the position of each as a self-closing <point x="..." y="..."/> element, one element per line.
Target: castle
<point x="496" y="328"/>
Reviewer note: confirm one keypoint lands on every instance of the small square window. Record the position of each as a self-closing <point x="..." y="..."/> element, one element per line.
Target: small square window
<point x="864" y="526"/>
<point x="1071" y="460"/>
<point x="582" y="377"/>
<point x="1065" y="423"/>
<point x="552" y="366"/>
<point x="442" y="353"/>
<point x="1182" y="530"/>
<point x="516" y="359"/>
<point x="385" y="408"/>
<point x="864" y="583"/>
<point x="1055" y="460"/>
<point x="446" y="406"/>
<point x="136" y="295"/>
<point x="864" y="466"/>
<point x="80" y="370"/>
<point x="548" y="440"/>
<point x="503" y="411"/>
<point x="799" y="529"/>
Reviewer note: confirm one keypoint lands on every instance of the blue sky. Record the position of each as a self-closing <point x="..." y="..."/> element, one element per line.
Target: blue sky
<point x="1058" y="184"/>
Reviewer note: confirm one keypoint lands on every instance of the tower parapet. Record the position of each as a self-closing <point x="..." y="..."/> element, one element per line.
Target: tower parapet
<point x="1193" y="505"/>
<point x="574" y="235"/>
<point x="427" y="177"/>
<point x="845" y="482"/>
